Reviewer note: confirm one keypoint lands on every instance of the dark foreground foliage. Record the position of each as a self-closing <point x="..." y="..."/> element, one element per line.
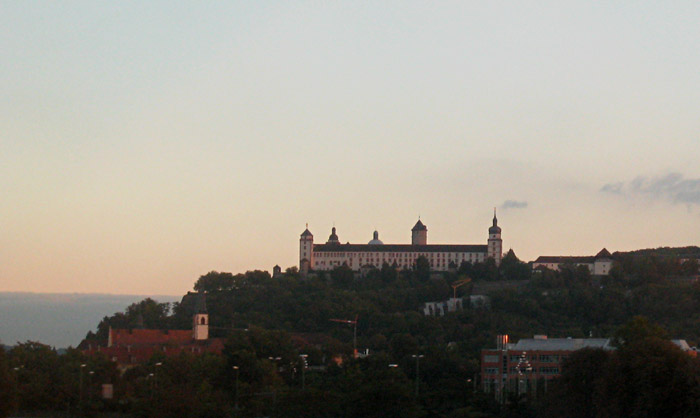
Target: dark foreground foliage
<point x="270" y="322"/>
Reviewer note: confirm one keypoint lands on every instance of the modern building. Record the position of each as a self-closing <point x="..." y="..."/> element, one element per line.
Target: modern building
<point x="444" y="307"/>
<point x="375" y="253"/>
<point x="528" y="365"/>
<point x="599" y="264"/>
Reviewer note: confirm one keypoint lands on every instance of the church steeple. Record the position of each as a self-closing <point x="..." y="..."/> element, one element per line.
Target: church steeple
<point x="495" y="244"/>
<point x="495" y="229"/>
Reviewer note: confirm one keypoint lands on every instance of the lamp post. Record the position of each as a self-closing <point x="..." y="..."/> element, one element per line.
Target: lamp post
<point x="235" y="368"/>
<point x="17" y="382"/>
<point x="155" y="374"/>
<point x="303" y="370"/>
<point x="80" y="399"/>
<point x="417" y="357"/>
<point x="149" y="377"/>
<point x="89" y="390"/>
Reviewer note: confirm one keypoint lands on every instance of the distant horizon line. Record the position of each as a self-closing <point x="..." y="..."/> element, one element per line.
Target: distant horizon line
<point x="28" y="292"/>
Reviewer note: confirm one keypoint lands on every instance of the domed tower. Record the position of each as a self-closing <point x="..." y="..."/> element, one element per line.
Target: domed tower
<point x="495" y="244"/>
<point x="419" y="234"/>
<point x="306" y="250"/>
<point x="375" y="239"/>
<point x="333" y="238"/>
<point x="200" y="327"/>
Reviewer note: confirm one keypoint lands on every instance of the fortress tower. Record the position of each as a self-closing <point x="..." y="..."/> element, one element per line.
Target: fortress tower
<point x="419" y="234"/>
<point x="306" y="251"/>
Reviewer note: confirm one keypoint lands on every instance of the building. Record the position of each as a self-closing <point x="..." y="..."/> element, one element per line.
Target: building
<point x="528" y="365"/>
<point x="129" y="347"/>
<point x="444" y="307"/>
<point x="599" y="264"/>
<point x="375" y="253"/>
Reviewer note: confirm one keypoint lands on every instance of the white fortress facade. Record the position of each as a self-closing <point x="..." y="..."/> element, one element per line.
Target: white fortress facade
<point x="375" y="253"/>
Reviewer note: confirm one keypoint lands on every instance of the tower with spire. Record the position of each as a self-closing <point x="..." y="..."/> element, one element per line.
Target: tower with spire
<point x="200" y="327"/>
<point x="306" y="250"/>
<point x="494" y="243"/>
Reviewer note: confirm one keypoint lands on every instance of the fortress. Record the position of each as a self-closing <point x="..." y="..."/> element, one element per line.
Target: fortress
<point x="375" y="253"/>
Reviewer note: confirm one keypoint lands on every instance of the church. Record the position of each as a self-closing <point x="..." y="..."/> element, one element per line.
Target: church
<point x="332" y="254"/>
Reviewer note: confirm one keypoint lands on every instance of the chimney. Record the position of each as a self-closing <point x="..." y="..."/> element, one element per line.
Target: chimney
<point x="502" y="341"/>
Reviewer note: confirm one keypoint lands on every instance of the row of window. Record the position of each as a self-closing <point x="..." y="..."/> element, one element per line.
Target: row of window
<point x="397" y="255"/>
<point x="543" y="358"/>
<point x="523" y="370"/>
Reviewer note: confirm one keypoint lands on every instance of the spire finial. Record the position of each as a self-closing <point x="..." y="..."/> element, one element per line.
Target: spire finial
<point x="307" y="225"/>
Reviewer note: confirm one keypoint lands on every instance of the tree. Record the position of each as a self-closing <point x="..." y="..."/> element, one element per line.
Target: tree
<point x="8" y="386"/>
<point x="422" y="268"/>
<point x="572" y="395"/>
<point x="342" y="276"/>
<point x="511" y="268"/>
<point x="650" y="378"/>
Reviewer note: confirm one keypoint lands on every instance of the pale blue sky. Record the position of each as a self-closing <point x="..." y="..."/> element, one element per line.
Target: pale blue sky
<point x="145" y="144"/>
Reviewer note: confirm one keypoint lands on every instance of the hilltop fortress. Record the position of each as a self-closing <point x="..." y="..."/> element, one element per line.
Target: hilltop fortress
<point x="375" y="253"/>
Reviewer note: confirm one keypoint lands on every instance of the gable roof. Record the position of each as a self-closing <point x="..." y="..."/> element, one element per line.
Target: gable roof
<point x="135" y="337"/>
<point x="604" y="253"/>
<point x="560" y="259"/>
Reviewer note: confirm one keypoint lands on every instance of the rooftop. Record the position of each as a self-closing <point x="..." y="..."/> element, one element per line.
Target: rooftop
<point x="401" y="248"/>
<point x="560" y="344"/>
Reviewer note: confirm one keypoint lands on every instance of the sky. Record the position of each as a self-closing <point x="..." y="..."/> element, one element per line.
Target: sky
<point x="143" y="144"/>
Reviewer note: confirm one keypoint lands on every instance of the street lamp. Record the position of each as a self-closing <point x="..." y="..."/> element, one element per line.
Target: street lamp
<point x="417" y="357"/>
<point x="150" y="375"/>
<point x="155" y="374"/>
<point x="90" y="374"/>
<point x="303" y="370"/>
<point x="80" y="399"/>
<point x="236" y="394"/>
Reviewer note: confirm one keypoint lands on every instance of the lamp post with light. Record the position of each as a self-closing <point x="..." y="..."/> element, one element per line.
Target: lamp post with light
<point x="155" y="374"/>
<point x="417" y="357"/>
<point x="235" y="368"/>
<point x="80" y="398"/>
<point x="303" y="370"/>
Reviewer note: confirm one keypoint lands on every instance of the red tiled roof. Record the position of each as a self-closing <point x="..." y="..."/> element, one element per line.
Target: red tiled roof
<point x="564" y="259"/>
<point x="136" y="337"/>
<point x="126" y="355"/>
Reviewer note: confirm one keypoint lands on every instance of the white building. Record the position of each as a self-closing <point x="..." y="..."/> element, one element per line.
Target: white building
<point x="599" y="264"/>
<point x="375" y="253"/>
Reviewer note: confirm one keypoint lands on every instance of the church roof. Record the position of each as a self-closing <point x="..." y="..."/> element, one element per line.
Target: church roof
<point x="137" y="337"/>
<point x="495" y="229"/>
<point x="401" y="248"/>
<point x="201" y="304"/>
<point x="419" y="226"/>
<point x="307" y="233"/>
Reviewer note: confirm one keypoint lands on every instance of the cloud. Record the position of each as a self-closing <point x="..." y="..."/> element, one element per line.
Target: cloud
<point x="514" y="204"/>
<point x="671" y="187"/>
